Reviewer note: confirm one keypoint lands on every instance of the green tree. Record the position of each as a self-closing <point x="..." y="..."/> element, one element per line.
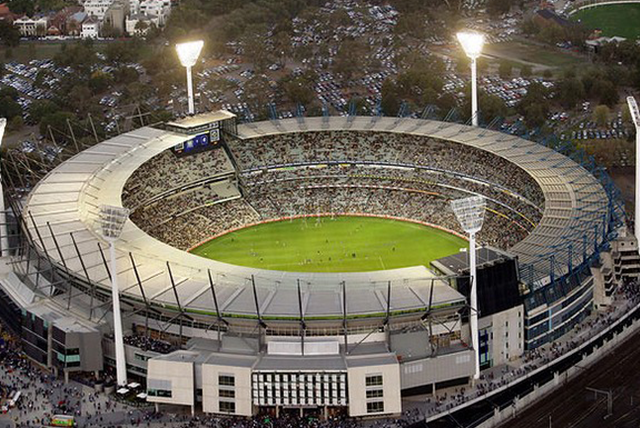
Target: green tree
<point x="9" y="108"/>
<point x="525" y="71"/>
<point x="601" y="115"/>
<point x="42" y="108"/>
<point x="100" y="81"/>
<point x="9" y="35"/>
<point x="505" y="69"/>
<point x="56" y="119"/>
<point x="391" y="101"/>
<point x="570" y="92"/>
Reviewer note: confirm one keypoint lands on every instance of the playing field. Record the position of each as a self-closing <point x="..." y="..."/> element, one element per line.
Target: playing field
<point x="340" y="244"/>
<point x="614" y="20"/>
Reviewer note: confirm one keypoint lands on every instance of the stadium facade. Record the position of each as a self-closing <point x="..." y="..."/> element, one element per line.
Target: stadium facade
<point x="247" y="340"/>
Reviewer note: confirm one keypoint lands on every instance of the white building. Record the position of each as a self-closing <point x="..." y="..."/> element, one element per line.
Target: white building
<point x="29" y="27"/>
<point x="90" y="29"/>
<point x="324" y="378"/>
<point x="138" y="24"/>
<point x="159" y="8"/>
<point x="97" y="8"/>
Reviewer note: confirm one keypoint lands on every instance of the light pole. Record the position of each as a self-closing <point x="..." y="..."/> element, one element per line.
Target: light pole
<point x="635" y="116"/>
<point x="470" y="215"/>
<point x="472" y="45"/>
<point x="4" y="234"/>
<point x="188" y="53"/>
<point x="112" y="220"/>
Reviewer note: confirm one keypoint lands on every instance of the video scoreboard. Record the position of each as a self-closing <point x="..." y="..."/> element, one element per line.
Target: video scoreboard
<point x="206" y="131"/>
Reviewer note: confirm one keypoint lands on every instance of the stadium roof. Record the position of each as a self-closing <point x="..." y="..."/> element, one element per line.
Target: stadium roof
<point x="68" y="199"/>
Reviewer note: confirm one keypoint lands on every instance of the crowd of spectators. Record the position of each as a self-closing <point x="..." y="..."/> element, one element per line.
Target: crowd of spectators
<point x="385" y="148"/>
<point x="413" y="178"/>
<point x="167" y="171"/>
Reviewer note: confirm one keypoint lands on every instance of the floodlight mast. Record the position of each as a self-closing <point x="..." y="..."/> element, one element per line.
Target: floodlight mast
<point x="635" y="116"/>
<point x="4" y="234"/>
<point x="188" y="54"/>
<point x="470" y="215"/>
<point x="472" y="44"/>
<point x="112" y="220"/>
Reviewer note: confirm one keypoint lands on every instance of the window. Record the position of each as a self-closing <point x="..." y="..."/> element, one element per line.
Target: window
<point x="159" y="393"/>
<point x="226" y="393"/>
<point x="140" y="357"/>
<point x="227" y="406"/>
<point x="226" y="380"/>
<point x="375" y="407"/>
<point x="374" y="393"/>
<point x="373" y="380"/>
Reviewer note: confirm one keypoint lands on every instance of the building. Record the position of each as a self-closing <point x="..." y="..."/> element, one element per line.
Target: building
<point x="31" y="27"/>
<point x="138" y="24"/>
<point x="115" y="17"/>
<point x="90" y="29"/>
<point x="159" y="8"/>
<point x="97" y="8"/>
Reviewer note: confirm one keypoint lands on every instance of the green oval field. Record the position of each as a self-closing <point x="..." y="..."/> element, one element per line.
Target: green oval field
<point x="614" y="20"/>
<point x="339" y="244"/>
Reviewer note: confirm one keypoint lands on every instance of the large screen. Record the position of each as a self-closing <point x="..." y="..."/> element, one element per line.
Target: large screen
<point x="204" y="141"/>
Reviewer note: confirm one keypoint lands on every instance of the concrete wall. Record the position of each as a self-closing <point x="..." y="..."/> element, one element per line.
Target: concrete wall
<point x="210" y="388"/>
<point x="427" y="371"/>
<point x="180" y="377"/>
<point x="507" y="342"/>
<point x="390" y="385"/>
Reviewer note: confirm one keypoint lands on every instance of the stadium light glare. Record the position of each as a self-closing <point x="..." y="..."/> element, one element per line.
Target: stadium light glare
<point x="472" y="44"/>
<point x="112" y="220"/>
<point x="188" y="54"/>
<point x="470" y="215"/>
<point x="4" y="237"/>
<point x="635" y="117"/>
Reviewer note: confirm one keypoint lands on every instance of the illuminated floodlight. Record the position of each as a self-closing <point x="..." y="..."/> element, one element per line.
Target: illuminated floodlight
<point x="471" y="43"/>
<point x="470" y="215"/>
<point x="188" y="53"/>
<point x="112" y="220"/>
<point x="635" y="117"/>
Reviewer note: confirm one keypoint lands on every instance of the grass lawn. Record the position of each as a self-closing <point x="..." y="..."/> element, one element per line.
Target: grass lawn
<point x="341" y="244"/>
<point x="614" y="20"/>
<point x="519" y="51"/>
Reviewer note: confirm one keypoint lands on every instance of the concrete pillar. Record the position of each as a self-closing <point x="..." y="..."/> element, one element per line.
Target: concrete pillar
<point x="433" y="389"/>
<point x="193" y="409"/>
<point x="157" y="407"/>
<point x="66" y="376"/>
<point x="325" y="413"/>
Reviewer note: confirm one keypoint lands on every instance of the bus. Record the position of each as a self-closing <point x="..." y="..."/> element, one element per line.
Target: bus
<point x="62" y="421"/>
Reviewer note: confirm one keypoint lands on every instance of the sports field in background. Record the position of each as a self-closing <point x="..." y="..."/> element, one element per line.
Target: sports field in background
<point x="614" y="20"/>
<point x="325" y="244"/>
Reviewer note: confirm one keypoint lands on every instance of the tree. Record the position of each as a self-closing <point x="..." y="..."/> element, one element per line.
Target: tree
<point x="601" y="115"/>
<point x="41" y="108"/>
<point x="9" y="108"/>
<point x="57" y="120"/>
<point x="569" y="92"/>
<point x="100" y="81"/>
<point x="505" y="69"/>
<point x="525" y="71"/>
<point x="390" y="103"/>
<point x="9" y="35"/>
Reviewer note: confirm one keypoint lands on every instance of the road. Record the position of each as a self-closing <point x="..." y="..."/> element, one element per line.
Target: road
<point x="574" y="406"/>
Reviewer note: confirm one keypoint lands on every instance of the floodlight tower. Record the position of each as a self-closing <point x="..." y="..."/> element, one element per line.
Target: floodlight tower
<point x="188" y="53"/>
<point x="635" y="116"/>
<point x="4" y="234"/>
<point x="472" y="45"/>
<point x="112" y="220"/>
<point x="470" y="215"/>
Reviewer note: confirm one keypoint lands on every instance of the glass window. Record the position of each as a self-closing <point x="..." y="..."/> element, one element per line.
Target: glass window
<point x="373" y="380"/>
<point x="226" y="380"/>
<point x="227" y="393"/>
<point x="375" y="407"/>
<point x="227" y="406"/>
<point x="374" y="393"/>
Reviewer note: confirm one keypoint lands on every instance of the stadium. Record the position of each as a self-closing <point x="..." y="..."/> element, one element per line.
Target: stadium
<point x="311" y="334"/>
